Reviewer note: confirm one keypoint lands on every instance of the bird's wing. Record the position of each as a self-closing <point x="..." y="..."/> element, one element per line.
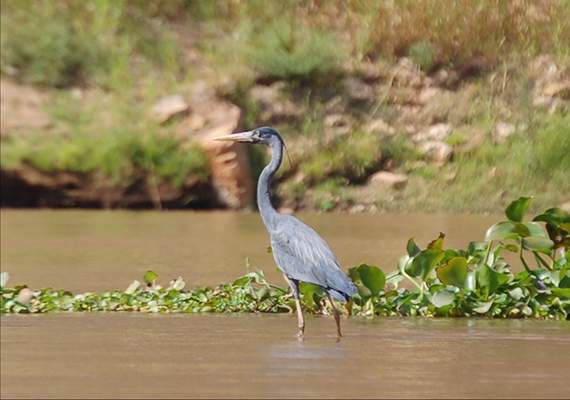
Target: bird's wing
<point x="303" y="255"/>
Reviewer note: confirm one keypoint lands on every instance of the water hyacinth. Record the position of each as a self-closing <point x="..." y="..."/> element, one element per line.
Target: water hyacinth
<point x="431" y="282"/>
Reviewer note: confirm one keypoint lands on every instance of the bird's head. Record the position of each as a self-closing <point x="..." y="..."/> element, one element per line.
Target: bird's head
<point x="264" y="135"/>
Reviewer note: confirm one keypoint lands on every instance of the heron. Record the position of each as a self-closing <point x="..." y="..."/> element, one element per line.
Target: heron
<point x="299" y="252"/>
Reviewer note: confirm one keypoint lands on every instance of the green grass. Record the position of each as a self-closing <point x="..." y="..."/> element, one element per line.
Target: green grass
<point x="63" y="43"/>
<point x="352" y="158"/>
<point x="118" y="156"/>
<point x="534" y="162"/>
<point x="288" y="51"/>
<point x="331" y="193"/>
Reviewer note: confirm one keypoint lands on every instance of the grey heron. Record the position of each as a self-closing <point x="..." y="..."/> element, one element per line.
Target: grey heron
<point x="299" y="252"/>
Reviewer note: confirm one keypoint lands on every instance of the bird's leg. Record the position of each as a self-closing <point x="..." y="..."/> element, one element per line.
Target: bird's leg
<point x="336" y="316"/>
<point x="300" y="318"/>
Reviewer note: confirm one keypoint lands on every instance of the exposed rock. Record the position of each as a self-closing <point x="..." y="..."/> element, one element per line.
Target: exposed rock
<point x="503" y="131"/>
<point x="357" y="90"/>
<point x="437" y="133"/>
<point x="428" y="94"/>
<point x="195" y="122"/>
<point x="389" y="179"/>
<point x="274" y="105"/>
<point x="170" y="107"/>
<point x="379" y="126"/>
<point x="335" y="105"/>
<point x="551" y="83"/>
<point x="446" y="78"/>
<point x="357" y="209"/>
<point x="370" y="72"/>
<point x="565" y="206"/>
<point x="229" y="163"/>
<point x="336" y="120"/>
<point x="436" y="151"/>
<point x="21" y="109"/>
<point x="407" y="73"/>
<point x="558" y="89"/>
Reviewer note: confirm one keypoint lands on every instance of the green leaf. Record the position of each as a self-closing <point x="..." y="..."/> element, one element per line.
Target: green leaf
<point x="476" y="247"/>
<point x="563" y="293"/>
<point x="534" y="229"/>
<point x="516" y="293"/>
<point x="310" y="294"/>
<point x="490" y="279"/>
<point x="483" y="307"/>
<point x="501" y="231"/>
<point x="437" y="244"/>
<point x="372" y="277"/>
<point x="242" y="281"/>
<point x="150" y="277"/>
<point x="424" y="263"/>
<point x="565" y="276"/>
<point x="554" y="216"/>
<point x="517" y="209"/>
<point x="412" y="248"/>
<point x="538" y="244"/>
<point x="454" y="272"/>
<point x="442" y="298"/>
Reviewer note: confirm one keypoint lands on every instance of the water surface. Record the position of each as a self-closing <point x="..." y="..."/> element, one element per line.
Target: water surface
<point x="105" y="250"/>
<point x="134" y="355"/>
<point x="254" y="356"/>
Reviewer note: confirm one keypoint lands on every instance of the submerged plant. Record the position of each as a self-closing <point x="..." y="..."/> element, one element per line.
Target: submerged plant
<point x="476" y="281"/>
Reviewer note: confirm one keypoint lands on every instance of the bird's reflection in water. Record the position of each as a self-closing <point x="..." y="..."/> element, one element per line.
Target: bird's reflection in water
<point x="314" y="354"/>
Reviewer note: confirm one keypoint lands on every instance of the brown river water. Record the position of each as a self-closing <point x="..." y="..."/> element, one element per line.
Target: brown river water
<point x="123" y="355"/>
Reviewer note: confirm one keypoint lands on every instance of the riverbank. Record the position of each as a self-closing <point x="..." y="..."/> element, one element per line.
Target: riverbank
<point x="383" y="122"/>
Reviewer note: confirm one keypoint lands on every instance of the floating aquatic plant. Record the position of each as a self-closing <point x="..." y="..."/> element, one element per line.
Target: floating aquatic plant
<point x="434" y="282"/>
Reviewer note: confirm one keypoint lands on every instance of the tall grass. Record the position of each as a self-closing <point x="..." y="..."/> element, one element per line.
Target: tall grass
<point x="454" y="32"/>
<point x="67" y="42"/>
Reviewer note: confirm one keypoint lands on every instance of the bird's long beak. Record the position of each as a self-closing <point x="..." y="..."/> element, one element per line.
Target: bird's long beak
<point x="237" y="137"/>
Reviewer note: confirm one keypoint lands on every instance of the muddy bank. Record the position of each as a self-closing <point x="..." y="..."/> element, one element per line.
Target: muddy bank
<point x="29" y="187"/>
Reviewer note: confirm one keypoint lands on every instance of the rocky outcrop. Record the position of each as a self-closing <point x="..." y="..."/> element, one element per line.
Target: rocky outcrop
<point x="389" y="179"/>
<point x="229" y="162"/>
<point x="170" y="107"/>
<point x="551" y="83"/>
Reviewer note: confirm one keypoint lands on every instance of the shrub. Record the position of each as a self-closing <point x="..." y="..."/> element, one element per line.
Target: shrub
<point x="60" y="43"/>
<point x="286" y="50"/>
<point x="353" y="158"/>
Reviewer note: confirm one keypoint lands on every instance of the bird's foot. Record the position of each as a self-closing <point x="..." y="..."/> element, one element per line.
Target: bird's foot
<point x="301" y="334"/>
<point x="338" y="335"/>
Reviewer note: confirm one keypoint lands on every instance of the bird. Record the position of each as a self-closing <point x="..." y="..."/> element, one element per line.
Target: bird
<point x="299" y="252"/>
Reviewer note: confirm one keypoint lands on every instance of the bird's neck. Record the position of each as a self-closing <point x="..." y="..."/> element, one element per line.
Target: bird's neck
<point x="266" y="209"/>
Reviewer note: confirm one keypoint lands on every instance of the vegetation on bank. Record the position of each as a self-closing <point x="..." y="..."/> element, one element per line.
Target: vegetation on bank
<point x="441" y="282"/>
<point x="105" y="63"/>
<point x="116" y="157"/>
